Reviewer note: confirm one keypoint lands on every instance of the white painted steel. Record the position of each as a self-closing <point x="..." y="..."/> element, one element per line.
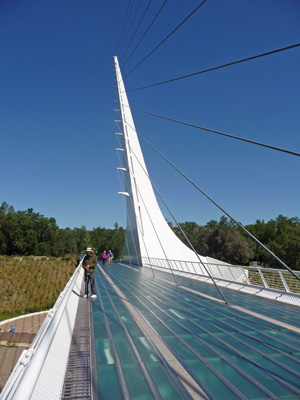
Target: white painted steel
<point x="231" y="279"/>
<point x="147" y="234"/>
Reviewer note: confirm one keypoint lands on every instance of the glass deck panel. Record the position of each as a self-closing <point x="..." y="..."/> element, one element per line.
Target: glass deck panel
<point x="258" y="373"/>
<point x="117" y="330"/>
<point x="100" y="330"/>
<point x="160" y="328"/>
<point x="108" y="383"/>
<point x="176" y="328"/>
<point x="272" y="342"/>
<point x="198" y="346"/>
<point x="104" y="352"/>
<point x="165" y="385"/>
<point x="125" y="351"/>
<point x="179" y="347"/>
<point x="281" y="372"/>
<point x="145" y="350"/>
<point x="215" y="321"/>
<point x="136" y="382"/>
<point x="211" y="381"/>
<point x="238" y="380"/>
<point x="262" y="346"/>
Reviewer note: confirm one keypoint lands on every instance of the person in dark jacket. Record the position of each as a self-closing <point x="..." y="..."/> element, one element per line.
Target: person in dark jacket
<point x="89" y="264"/>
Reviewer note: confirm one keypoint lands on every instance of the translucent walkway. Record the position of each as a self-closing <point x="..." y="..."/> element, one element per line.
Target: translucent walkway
<point x="156" y="340"/>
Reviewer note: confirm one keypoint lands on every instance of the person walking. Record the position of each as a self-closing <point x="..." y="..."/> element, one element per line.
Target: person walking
<point x="12" y="329"/>
<point x="89" y="264"/>
<point x="104" y="257"/>
<point x="110" y="257"/>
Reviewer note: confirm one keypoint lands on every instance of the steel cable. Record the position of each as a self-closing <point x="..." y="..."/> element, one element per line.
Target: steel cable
<point x="294" y="153"/>
<point x="142" y="38"/>
<point x="166" y="38"/>
<point x="218" y="67"/>
<point x="136" y="29"/>
<point x="133" y="18"/>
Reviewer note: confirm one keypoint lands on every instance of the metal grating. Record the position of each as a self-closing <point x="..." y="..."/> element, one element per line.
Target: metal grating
<point x="77" y="383"/>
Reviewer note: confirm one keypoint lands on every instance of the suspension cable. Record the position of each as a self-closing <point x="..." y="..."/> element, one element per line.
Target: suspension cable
<point x="167" y="37"/>
<point x="131" y="232"/>
<point x="123" y="27"/>
<point x="142" y="38"/>
<point x="136" y="29"/>
<point x="218" y="67"/>
<point x="220" y="208"/>
<point x="177" y="223"/>
<point x="294" y="153"/>
<point x="133" y="18"/>
<point x="127" y="22"/>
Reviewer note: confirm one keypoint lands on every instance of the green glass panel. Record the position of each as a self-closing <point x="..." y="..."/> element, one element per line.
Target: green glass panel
<point x="97" y="316"/>
<point x="286" y="341"/>
<point x="104" y="353"/>
<point x="116" y="330"/>
<point x="217" y="345"/>
<point x="100" y="331"/>
<point x="209" y="327"/>
<point x="293" y="364"/>
<point x="125" y="351"/>
<point x="201" y="348"/>
<point x="160" y="328"/>
<point x="111" y="316"/>
<point x="296" y="355"/>
<point x="232" y="327"/>
<point x="177" y="328"/>
<point x="211" y="381"/>
<point x="281" y="372"/>
<point x="179" y="347"/>
<point x="136" y="382"/>
<point x="261" y="340"/>
<point x="108" y="383"/>
<point x="239" y="346"/>
<point x="96" y="307"/>
<point x="191" y="327"/>
<point x="237" y="379"/>
<point x="125" y="316"/>
<point x="145" y="350"/>
<point x="161" y="314"/>
<point x="259" y="373"/>
<point x="255" y="343"/>
<point x="164" y="383"/>
<point x="133" y="329"/>
<point x="149" y="316"/>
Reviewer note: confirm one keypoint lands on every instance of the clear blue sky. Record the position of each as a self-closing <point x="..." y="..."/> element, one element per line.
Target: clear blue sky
<point x="57" y="127"/>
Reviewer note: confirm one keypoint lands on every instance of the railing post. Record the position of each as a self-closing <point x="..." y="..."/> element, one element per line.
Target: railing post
<point x="247" y="279"/>
<point x="262" y="278"/>
<point x="286" y="286"/>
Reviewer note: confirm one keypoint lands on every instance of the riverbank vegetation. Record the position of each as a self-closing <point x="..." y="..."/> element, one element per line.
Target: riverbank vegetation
<point x="26" y="233"/>
<point x="32" y="284"/>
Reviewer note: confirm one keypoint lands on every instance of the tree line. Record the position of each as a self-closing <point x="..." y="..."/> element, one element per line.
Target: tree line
<point x="225" y="241"/>
<point x="30" y="233"/>
<point x="27" y="233"/>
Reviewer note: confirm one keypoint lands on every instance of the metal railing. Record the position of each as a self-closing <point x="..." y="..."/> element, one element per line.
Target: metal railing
<point x="268" y="278"/>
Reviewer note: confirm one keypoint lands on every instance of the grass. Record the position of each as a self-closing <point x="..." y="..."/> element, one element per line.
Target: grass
<point x="32" y="284"/>
<point x="274" y="281"/>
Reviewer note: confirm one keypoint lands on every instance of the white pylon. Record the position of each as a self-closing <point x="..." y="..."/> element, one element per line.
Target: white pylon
<point x="149" y="238"/>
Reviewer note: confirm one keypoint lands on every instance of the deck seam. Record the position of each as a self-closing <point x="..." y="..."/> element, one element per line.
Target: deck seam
<point x="238" y="308"/>
<point x="187" y="380"/>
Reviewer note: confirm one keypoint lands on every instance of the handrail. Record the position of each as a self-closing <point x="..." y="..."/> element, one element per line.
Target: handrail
<point x="23" y="379"/>
<point x="269" y="278"/>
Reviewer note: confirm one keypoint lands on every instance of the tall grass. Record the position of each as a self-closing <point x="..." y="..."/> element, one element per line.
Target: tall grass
<point x="31" y="284"/>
